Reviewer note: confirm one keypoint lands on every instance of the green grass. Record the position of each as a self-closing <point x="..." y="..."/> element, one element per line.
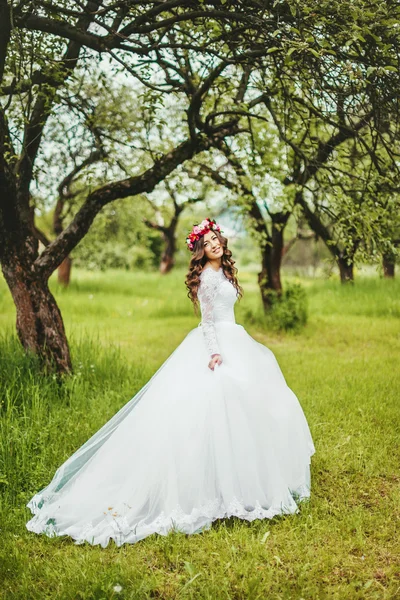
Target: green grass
<point x="344" y="367"/>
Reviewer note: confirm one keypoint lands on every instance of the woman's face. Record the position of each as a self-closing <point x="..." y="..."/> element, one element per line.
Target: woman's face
<point x="212" y="246"/>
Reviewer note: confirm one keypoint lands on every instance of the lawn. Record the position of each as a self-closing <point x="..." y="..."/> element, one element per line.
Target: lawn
<point x="344" y="368"/>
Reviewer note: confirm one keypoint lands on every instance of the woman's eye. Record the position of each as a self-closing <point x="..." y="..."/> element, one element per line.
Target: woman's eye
<point x="206" y="243"/>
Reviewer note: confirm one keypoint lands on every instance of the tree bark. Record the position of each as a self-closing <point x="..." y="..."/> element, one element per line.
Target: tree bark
<point x="388" y="264"/>
<point x="5" y="32"/>
<point x="269" y="278"/>
<point x="40" y="326"/>
<point x="346" y="270"/>
<point x="64" y="272"/>
<point x="64" y="269"/>
<point x="168" y="255"/>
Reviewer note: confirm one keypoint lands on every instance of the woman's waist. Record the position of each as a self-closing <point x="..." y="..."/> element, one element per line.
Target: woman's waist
<point x="222" y="322"/>
<point x="225" y="322"/>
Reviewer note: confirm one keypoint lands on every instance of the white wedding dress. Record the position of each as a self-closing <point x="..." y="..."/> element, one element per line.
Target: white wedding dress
<point x="193" y="445"/>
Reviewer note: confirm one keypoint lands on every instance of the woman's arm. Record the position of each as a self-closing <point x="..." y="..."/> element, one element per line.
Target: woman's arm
<point x="207" y="293"/>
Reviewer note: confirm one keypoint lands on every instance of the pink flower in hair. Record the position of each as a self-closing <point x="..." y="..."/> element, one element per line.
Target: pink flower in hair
<point x="199" y="230"/>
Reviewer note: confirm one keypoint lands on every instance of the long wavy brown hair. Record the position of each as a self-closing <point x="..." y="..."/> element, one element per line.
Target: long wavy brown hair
<point x="197" y="263"/>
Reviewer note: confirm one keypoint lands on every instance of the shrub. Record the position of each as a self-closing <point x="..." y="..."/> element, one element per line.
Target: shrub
<point x="288" y="312"/>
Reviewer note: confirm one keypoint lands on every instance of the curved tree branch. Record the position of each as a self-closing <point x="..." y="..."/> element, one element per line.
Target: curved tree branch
<point x="54" y="254"/>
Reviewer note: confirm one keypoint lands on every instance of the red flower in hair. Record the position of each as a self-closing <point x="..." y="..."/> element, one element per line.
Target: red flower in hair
<point x="199" y="230"/>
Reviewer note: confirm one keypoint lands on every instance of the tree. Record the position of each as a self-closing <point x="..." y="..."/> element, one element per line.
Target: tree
<point x="168" y="230"/>
<point x="266" y="226"/>
<point x="61" y="37"/>
<point x="338" y="125"/>
<point x="218" y="62"/>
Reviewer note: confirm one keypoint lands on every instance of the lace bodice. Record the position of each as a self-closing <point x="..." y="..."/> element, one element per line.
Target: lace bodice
<point x="217" y="297"/>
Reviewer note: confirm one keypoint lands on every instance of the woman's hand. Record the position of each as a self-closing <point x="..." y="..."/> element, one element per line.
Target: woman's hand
<point x="215" y="360"/>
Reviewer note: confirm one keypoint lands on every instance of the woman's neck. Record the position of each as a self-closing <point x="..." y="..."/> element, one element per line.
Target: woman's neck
<point x="214" y="263"/>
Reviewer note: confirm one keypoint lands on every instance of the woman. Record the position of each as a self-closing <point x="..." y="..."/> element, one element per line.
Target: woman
<point x="214" y="433"/>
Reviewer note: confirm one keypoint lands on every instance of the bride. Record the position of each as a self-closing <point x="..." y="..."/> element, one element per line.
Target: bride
<point x="215" y="433"/>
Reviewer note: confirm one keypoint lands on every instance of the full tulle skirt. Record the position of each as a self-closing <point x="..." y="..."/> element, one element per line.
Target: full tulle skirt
<point x="193" y="445"/>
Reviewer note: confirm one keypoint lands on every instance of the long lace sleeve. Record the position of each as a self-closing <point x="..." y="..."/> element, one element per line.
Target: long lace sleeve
<point x="208" y="290"/>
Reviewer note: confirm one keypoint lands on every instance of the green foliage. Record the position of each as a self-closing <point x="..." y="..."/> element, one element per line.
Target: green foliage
<point x="316" y="68"/>
<point x="95" y="255"/>
<point x="119" y="239"/>
<point x="288" y="312"/>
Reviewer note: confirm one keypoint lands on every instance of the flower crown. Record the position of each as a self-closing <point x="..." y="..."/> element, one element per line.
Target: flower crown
<point x="199" y="230"/>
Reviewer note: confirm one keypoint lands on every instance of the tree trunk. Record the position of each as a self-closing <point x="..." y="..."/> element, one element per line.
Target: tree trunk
<point x="269" y="279"/>
<point x="343" y="260"/>
<point x="388" y="264"/>
<point x="346" y="270"/>
<point x="167" y="262"/>
<point x="64" y="272"/>
<point x="168" y="255"/>
<point x="40" y="326"/>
